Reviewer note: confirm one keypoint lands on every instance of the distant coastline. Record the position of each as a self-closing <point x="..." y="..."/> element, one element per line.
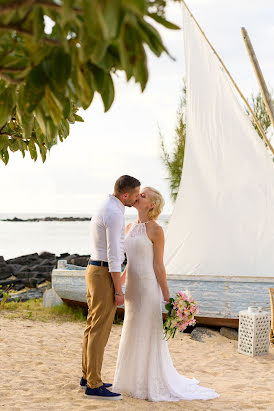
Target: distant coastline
<point x="37" y="219"/>
<point x="43" y="218"/>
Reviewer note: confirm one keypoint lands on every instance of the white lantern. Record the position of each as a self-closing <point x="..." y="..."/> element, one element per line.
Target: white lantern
<point x="254" y="328"/>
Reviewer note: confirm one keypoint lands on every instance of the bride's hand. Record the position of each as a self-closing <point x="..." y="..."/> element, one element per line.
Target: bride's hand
<point x="166" y="297"/>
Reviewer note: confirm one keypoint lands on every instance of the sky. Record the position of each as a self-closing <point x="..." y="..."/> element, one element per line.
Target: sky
<point x="81" y="171"/>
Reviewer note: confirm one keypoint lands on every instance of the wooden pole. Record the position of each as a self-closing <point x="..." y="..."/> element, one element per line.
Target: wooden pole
<point x="233" y="82"/>
<point x="265" y="93"/>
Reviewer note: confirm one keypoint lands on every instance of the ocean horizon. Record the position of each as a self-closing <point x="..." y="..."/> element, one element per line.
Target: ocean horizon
<point x="26" y="237"/>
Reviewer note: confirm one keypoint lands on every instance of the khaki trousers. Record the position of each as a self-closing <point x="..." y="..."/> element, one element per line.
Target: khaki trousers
<point x="101" y="312"/>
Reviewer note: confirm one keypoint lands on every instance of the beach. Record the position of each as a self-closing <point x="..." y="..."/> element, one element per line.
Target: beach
<point x="41" y="368"/>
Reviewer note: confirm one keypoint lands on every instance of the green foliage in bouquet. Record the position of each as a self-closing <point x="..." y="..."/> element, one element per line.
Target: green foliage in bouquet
<point x="46" y="75"/>
<point x="171" y="315"/>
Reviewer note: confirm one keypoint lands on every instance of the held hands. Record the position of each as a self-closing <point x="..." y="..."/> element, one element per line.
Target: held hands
<point x="119" y="299"/>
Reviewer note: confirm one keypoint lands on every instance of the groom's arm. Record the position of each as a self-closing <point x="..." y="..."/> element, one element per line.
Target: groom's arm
<point x="114" y="227"/>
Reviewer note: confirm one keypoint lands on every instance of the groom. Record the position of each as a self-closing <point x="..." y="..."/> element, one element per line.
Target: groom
<point x="103" y="280"/>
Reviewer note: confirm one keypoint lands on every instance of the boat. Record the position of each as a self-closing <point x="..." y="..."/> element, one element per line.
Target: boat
<point x="220" y="238"/>
<point x="220" y="298"/>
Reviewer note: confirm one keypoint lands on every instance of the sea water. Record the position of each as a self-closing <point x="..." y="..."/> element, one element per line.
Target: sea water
<point x="20" y="238"/>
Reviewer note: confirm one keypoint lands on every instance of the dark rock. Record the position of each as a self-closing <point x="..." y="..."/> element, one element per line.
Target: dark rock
<point x="19" y="286"/>
<point x="24" y="274"/>
<point x="81" y="260"/>
<point x="230" y="333"/>
<point x="46" y="255"/>
<point x="28" y="259"/>
<point x="4" y="275"/>
<point x="42" y="268"/>
<point x="5" y="271"/>
<point x="2" y="259"/>
<point x="40" y="280"/>
<point x="29" y="282"/>
<point x="51" y="262"/>
<point x="199" y="332"/>
<point x="45" y="276"/>
<point x="17" y="268"/>
<point x="71" y="257"/>
<point x="63" y="256"/>
<point x="9" y="283"/>
<point x="41" y="277"/>
<point x="28" y="295"/>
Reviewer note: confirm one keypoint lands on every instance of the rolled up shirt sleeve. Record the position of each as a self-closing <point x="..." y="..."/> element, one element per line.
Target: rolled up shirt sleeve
<point x="114" y="227"/>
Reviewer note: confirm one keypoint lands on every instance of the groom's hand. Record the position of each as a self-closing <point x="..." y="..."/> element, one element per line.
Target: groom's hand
<point x="119" y="299"/>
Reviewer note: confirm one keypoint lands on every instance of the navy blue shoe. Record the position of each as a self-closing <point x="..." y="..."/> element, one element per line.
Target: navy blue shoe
<point x="83" y="383"/>
<point x="102" y="393"/>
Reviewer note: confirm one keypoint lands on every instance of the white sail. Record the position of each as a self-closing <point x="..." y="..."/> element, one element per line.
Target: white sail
<point x="223" y="219"/>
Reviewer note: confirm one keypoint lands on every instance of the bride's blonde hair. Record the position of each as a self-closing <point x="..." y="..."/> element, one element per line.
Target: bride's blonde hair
<point x="156" y="198"/>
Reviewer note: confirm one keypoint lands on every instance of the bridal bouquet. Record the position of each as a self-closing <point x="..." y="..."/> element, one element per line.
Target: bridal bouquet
<point x="181" y="312"/>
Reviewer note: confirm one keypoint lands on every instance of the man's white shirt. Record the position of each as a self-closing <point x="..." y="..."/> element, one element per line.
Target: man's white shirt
<point x="108" y="234"/>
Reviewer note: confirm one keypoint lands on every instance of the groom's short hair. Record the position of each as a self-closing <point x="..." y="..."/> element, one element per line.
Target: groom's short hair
<point x="125" y="184"/>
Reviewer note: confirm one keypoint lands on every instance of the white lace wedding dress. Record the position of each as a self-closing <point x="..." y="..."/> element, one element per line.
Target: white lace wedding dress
<point x="144" y="367"/>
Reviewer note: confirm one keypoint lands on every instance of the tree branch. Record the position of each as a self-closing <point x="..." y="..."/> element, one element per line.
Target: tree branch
<point x="11" y="69"/>
<point x="18" y="4"/>
<point x="10" y="79"/>
<point x="15" y="5"/>
<point x="13" y="136"/>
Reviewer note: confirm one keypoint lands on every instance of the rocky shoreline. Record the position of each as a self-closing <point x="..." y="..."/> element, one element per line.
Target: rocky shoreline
<point x="30" y="275"/>
<point x="37" y="219"/>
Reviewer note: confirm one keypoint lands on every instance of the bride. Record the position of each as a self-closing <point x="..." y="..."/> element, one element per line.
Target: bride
<point x="144" y="367"/>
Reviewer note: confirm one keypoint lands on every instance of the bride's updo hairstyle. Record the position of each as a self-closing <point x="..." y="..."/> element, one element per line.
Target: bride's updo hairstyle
<point x="156" y="198"/>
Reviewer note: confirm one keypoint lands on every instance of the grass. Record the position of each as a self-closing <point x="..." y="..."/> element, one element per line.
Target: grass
<point x="34" y="310"/>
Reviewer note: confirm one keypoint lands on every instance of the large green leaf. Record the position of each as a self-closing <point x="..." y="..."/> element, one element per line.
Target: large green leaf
<point x="32" y="150"/>
<point x="93" y="18"/>
<point x="22" y="146"/>
<point x="59" y="67"/>
<point x="43" y="152"/>
<point x="13" y="145"/>
<point x="140" y="70"/>
<point x="112" y="15"/>
<point x="3" y="142"/>
<point x="51" y="132"/>
<point x="163" y="21"/>
<point x="24" y="117"/>
<point x="126" y="49"/>
<point x="87" y="92"/>
<point x="152" y="37"/>
<point x="107" y="92"/>
<point x="54" y="106"/>
<point x="38" y="23"/>
<point x="4" y="155"/>
<point x="98" y="51"/>
<point x="7" y="103"/>
<point x="41" y="119"/>
<point x="35" y="87"/>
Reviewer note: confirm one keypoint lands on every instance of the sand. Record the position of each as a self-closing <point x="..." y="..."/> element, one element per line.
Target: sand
<point x="40" y="369"/>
